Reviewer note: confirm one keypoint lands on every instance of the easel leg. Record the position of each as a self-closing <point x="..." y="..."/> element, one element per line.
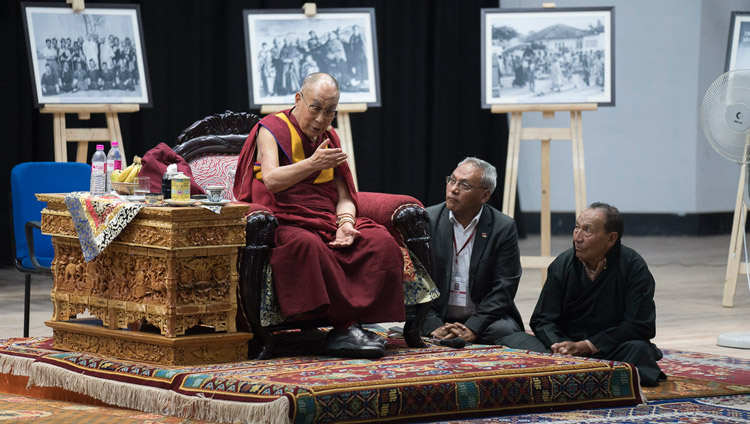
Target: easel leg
<point x="581" y="162"/>
<point x="344" y="131"/>
<point x="579" y="176"/>
<point x="82" y="152"/>
<point x="735" y="244"/>
<point x="113" y="124"/>
<point x="61" y="144"/>
<point x="509" y="170"/>
<point x="514" y="166"/>
<point x="545" y="229"/>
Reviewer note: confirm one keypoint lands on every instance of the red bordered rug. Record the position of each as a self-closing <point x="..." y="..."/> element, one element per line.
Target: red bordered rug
<point x="694" y="374"/>
<point x="406" y="384"/>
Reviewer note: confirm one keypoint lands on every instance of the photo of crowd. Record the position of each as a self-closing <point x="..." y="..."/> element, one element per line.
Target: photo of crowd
<point x="549" y="61"/>
<point x="90" y="57"/>
<point x="284" y="51"/>
<point x="77" y="65"/>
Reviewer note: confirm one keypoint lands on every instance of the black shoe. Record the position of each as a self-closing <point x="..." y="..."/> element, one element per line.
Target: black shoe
<point x="374" y="337"/>
<point x="353" y="343"/>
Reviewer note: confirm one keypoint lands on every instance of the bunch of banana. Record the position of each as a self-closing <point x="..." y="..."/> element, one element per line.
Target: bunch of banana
<point x="128" y="174"/>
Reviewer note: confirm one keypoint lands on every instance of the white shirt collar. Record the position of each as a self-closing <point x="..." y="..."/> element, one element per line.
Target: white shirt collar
<point x="472" y="224"/>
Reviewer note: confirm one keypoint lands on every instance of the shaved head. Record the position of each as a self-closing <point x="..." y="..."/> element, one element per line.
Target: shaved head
<point x="313" y="80"/>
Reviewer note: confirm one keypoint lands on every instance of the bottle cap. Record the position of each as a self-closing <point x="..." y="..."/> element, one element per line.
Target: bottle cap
<point x="114" y="143"/>
<point x="99" y="147"/>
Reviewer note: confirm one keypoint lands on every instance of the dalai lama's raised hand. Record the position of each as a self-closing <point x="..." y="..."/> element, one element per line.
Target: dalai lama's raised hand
<point x="325" y="158"/>
<point x="345" y="236"/>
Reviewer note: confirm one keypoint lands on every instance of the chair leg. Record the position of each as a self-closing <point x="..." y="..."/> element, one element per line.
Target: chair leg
<point x="259" y="231"/>
<point x="413" y="325"/>
<point x="26" y="305"/>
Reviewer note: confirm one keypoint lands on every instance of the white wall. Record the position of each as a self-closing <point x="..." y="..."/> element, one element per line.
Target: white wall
<point x="646" y="154"/>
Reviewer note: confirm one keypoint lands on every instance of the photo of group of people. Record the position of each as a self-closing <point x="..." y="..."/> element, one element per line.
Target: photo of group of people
<point x="94" y="56"/>
<point x="549" y="59"/>
<point x="76" y="65"/>
<point x="285" y="48"/>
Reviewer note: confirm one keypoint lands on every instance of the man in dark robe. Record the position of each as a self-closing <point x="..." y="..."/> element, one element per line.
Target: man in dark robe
<point x="49" y="82"/>
<point x="598" y="300"/>
<point x="106" y="77"/>
<point x="325" y="258"/>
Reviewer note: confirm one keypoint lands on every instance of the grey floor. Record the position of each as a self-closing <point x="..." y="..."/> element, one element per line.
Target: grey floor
<point x="689" y="273"/>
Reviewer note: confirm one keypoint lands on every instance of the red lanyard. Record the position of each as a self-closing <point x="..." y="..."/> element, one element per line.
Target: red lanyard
<point x="458" y="252"/>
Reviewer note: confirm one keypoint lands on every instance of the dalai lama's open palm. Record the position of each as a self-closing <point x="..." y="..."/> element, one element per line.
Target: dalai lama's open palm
<point x="345" y="236"/>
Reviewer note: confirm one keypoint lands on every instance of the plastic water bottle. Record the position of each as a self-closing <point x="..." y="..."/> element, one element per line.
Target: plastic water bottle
<point x="114" y="161"/>
<point x="98" y="172"/>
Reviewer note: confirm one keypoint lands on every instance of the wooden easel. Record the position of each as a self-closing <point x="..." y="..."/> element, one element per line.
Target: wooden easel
<point x="546" y="135"/>
<point x="83" y="136"/>
<point x="735" y="266"/>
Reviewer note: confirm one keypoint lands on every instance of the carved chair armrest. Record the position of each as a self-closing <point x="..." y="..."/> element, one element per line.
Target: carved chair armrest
<point x="413" y="222"/>
<point x="260" y="227"/>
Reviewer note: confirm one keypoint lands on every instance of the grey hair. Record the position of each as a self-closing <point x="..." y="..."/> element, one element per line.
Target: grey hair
<point x="613" y="222"/>
<point x="489" y="173"/>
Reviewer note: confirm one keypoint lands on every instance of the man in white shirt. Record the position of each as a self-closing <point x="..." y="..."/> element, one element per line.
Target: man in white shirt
<point x="91" y="51"/>
<point x="476" y="261"/>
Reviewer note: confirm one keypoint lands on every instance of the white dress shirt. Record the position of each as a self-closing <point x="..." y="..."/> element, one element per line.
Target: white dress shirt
<point x="460" y="305"/>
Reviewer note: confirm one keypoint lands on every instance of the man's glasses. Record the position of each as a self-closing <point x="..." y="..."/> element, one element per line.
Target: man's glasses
<point x="462" y="185"/>
<point x="328" y="113"/>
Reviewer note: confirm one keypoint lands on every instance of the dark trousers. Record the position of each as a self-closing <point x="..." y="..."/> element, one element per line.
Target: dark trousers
<point x="639" y="353"/>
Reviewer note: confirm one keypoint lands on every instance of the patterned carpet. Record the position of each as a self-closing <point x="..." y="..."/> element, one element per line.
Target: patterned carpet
<point x="407" y="384"/>
<point x="693" y="374"/>
<point x="715" y="410"/>
<point x="23" y="409"/>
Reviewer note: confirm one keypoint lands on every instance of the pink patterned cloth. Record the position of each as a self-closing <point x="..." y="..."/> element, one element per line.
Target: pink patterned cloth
<point x="215" y="170"/>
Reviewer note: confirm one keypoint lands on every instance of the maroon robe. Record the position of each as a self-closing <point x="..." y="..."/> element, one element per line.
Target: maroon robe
<point x="362" y="282"/>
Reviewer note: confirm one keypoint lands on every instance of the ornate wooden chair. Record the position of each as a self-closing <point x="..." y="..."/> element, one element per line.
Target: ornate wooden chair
<point x="211" y="146"/>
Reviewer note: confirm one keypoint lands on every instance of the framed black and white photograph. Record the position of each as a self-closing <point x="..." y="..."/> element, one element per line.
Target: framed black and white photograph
<point x="532" y="56"/>
<point x="93" y="56"/>
<point x="284" y="46"/>
<point x="738" y="47"/>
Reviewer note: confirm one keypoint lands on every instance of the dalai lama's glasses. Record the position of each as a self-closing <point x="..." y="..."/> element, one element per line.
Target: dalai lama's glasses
<point x="462" y="185"/>
<point x="328" y="113"/>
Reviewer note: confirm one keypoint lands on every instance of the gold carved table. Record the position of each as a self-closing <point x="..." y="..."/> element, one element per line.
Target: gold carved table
<point x="171" y="269"/>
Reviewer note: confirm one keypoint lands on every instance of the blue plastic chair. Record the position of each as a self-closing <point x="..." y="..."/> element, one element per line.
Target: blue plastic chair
<point x="33" y="250"/>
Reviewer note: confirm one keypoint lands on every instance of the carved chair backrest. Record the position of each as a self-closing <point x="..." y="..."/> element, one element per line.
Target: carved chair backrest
<point x="212" y="146"/>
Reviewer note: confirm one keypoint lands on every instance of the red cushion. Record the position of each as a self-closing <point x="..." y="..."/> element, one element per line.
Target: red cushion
<point x="380" y="206"/>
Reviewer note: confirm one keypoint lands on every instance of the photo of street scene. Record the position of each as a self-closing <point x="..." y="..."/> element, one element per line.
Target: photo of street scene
<point x="548" y="57"/>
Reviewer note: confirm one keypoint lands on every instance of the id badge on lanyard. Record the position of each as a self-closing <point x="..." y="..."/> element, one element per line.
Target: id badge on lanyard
<point x="459" y="284"/>
<point x="458" y="291"/>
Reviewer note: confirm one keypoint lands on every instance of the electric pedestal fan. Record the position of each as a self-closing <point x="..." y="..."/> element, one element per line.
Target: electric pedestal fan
<point x="725" y="116"/>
